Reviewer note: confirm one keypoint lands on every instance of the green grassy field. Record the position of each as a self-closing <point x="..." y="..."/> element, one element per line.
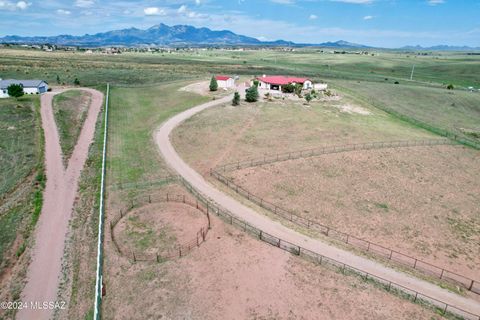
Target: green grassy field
<point x="455" y="111"/>
<point x="70" y="110"/>
<point x="21" y="181"/>
<point x="134" y="114"/>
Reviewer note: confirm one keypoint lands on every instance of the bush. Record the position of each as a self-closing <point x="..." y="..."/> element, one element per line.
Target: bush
<point x="251" y="94"/>
<point x="450" y="87"/>
<point x="308" y="97"/>
<point x="236" y="99"/>
<point x="213" y="84"/>
<point x="396" y="82"/>
<point x="288" y="88"/>
<point x="15" y="90"/>
<point x="76" y="82"/>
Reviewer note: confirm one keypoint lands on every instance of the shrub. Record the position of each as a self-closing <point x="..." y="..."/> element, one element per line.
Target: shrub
<point x="288" y="88"/>
<point x="308" y="97"/>
<point x="76" y="82"/>
<point x="450" y="87"/>
<point x="15" y="90"/>
<point x="236" y="99"/>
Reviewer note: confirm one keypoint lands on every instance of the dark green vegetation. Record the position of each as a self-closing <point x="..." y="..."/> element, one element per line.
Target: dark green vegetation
<point x="15" y="90"/>
<point x="70" y="110"/>
<point x="252" y="94"/>
<point x="236" y="99"/>
<point x="22" y="181"/>
<point x="213" y="84"/>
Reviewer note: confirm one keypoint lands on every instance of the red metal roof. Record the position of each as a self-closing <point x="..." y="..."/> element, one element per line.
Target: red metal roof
<point x="281" y="80"/>
<point x="222" y="78"/>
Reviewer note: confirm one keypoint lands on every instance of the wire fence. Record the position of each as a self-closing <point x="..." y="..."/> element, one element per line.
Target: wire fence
<point x="267" y="159"/>
<point x="362" y="244"/>
<point x="177" y="251"/>
<point x="408" y="293"/>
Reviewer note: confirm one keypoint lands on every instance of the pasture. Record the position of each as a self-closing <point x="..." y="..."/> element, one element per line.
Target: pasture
<point x="144" y="93"/>
<point x="21" y="184"/>
<point x="70" y="109"/>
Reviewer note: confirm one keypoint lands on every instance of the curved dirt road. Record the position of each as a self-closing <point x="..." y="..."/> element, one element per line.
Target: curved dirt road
<point x="45" y="269"/>
<point x="162" y="138"/>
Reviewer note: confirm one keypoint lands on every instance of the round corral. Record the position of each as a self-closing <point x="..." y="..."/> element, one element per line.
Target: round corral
<point x="160" y="231"/>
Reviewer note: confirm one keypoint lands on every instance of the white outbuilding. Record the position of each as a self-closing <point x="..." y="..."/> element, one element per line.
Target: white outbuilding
<point x="29" y="86"/>
<point x="225" y="82"/>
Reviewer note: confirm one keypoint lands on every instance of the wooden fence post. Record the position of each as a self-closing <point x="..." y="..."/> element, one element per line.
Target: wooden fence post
<point x="134" y="258"/>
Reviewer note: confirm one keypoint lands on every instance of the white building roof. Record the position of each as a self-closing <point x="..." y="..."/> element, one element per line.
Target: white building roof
<point x="4" y="84"/>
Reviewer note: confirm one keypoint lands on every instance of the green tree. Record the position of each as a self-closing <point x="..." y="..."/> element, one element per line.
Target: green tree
<point x="213" y="84"/>
<point x="15" y="90"/>
<point x="58" y="79"/>
<point x="236" y="99"/>
<point x="288" y="88"/>
<point x="251" y="94"/>
<point x="308" y="97"/>
<point x="76" y="82"/>
<point x="256" y="83"/>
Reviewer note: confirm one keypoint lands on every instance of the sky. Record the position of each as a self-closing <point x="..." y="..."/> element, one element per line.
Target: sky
<point x="381" y="23"/>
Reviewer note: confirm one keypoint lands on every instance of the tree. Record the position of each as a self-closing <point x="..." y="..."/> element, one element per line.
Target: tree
<point x="213" y="84"/>
<point x="251" y="94"/>
<point x="15" y="90"/>
<point x="308" y="97"/>
<point x="256" y="82"/>
<point x="236" y="99"/>
<point x="288" y="88"/>
<point x="76" y="82"/>
<point x="450" y="87"/>
<point x="58" y="79"/>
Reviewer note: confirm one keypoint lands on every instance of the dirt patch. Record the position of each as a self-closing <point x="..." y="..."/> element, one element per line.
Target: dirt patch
<point x="159" y="228"/>
<point x="233" y="276"/>
<point x="420" y="201"/>
<point x="348" y="108"/>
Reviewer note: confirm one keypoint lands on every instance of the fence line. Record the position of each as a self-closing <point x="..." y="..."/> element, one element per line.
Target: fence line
<point x="320" y="259"/>
<point x="308" y="153"/>
<point x="362" y="244"/>
<point x="101" y="213"/>
<point x="179" y="250"/>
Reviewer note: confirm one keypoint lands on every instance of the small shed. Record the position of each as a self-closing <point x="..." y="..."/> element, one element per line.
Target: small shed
<point x="225" y="82"/>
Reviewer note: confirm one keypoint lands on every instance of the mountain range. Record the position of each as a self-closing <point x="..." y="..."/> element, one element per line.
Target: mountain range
<point x="180" y="35"/>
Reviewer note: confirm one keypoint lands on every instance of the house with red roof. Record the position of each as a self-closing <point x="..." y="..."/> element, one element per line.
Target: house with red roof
<point x="225" y="82"/>
<point x="276" y="82"/>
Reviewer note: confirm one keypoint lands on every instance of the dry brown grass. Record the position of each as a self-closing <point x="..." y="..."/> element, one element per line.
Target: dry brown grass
<point x="422" y="201"/>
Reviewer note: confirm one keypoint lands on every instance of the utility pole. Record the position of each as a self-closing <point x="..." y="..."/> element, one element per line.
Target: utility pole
<point x="411" y="75"/>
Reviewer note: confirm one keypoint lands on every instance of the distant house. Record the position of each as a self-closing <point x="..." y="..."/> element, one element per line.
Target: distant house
<point x="276" y="82"/>
<point x="29" y="86"/>
<point x="225" y="82"/>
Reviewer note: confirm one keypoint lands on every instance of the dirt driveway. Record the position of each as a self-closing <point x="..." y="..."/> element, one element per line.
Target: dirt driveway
<point x="162" y="138"/>
<point x="45" y="269"/>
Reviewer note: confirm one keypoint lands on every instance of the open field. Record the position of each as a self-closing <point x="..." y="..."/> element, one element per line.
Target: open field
<point x="226" y="134"/>
<point x="185" y="287"/>
<point x="21" y="184"/>
<point x="70" y="109"/>
<point x="422" y="201"/>
<point x="455" y="111"/>
<point x="233" y="276"/>
<point x="142" y="68"/>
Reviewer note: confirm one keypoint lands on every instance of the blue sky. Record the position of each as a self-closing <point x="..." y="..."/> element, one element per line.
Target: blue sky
<point x="386" y="23"/>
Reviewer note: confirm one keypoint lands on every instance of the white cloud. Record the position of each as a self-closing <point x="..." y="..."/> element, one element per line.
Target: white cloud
<point x="84" y="3"/>
<point x="63" y="12"/>
<point x="12" y="6"/>
<point x="198" y="2"/>
<point x="435" y="2"/>
<point x="368" y="18"/>
<point x="182" y="9"/>
<point x="313" y="17"/>
<point x="154" y="11"/>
